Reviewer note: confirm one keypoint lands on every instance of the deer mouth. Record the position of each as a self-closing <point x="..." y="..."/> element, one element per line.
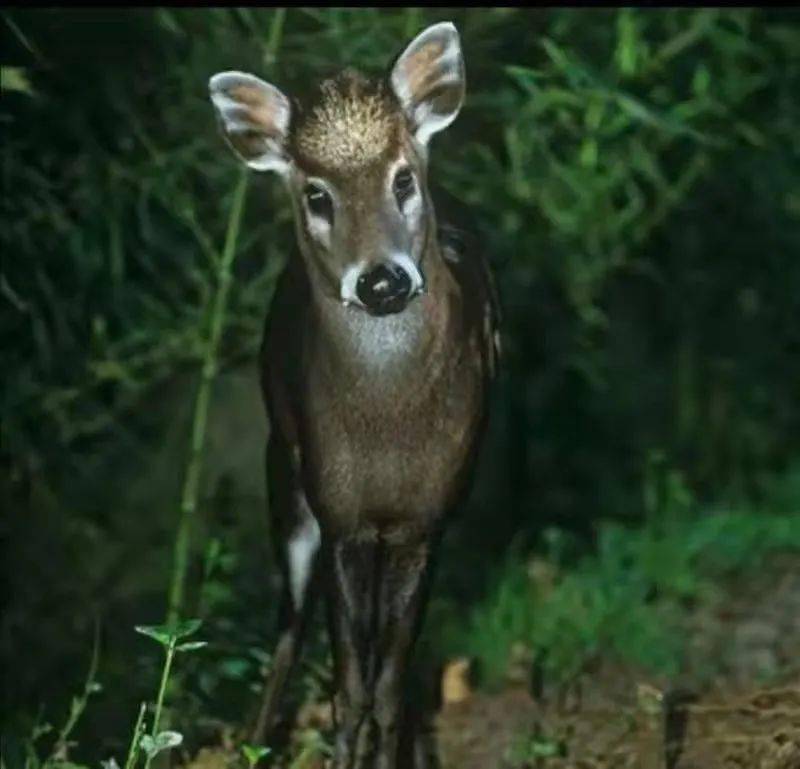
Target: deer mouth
<point x="388" y="307"/>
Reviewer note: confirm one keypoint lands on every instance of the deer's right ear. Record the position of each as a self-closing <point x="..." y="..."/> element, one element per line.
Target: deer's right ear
<point x="254" y="117"/>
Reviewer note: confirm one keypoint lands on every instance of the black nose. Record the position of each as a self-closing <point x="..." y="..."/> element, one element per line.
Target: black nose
<point x="384" y="289"/>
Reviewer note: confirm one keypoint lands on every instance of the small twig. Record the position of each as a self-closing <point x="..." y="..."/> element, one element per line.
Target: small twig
<point x="274" y="36"/>
<point x="8" y="292"/>
<point x="24" y="39"/>
<point x="138" y="729"/>
<point x="79" y="703"/>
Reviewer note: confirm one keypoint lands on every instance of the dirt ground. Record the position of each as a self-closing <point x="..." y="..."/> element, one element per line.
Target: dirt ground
<point x="755" y="730"/>
<point x="616" y="719"/>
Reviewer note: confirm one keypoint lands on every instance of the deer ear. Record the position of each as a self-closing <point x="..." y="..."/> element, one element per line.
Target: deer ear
<point x="254" y="117"/>
<point x="428" y="79"/>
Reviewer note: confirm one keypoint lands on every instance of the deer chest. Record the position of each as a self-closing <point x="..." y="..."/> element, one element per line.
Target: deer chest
<point x="389" y="451"/>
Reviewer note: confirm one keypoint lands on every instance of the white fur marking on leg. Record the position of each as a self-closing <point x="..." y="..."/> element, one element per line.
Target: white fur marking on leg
<point x="303" y="546"/>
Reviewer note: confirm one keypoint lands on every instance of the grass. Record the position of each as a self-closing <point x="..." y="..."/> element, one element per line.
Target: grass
<point x="629" y="597"/>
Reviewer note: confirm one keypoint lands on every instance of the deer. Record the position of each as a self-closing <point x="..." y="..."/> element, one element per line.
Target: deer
<point x="379" y="348"/>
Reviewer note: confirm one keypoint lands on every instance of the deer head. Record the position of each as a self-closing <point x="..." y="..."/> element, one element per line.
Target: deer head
<point x="354" y="157"/>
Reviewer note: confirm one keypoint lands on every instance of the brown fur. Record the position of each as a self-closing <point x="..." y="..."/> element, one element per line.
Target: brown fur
<point x="349" y="123"/>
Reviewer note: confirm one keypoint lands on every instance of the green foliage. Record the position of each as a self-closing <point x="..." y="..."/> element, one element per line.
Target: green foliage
<point x="77" y="705"/>
<point x="58" y="756"/>
<point x="254" y="753"/>
<point x="15" y="79"/>
<point x="535" y="747"/>
<point x="152" y="744"/>
<point x="169" y="635"/>
<point x="629" y="598"/>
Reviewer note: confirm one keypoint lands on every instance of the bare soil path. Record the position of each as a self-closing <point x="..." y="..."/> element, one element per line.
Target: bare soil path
<point x="744" y="715"/>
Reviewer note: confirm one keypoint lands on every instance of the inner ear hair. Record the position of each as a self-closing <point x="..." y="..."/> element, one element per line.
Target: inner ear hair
<point x="254" y="117"/>
<point x="428" y="79"/>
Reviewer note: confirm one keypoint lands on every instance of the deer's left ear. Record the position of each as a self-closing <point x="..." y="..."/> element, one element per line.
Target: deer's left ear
<point x="428" y="79"/>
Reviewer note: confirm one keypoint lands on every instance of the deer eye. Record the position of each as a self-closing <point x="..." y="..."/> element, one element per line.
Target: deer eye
<point x="403" y="185"/>
<point x="319" y="201"/>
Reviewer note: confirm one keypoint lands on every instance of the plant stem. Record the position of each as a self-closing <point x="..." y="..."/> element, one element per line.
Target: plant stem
<point x="79" y="703"/>
<point x="133" y="750"/>
<point x="163" y="686"/>
<point x="191" y="483"/>
<point x="274" y="36"/>
<point x="161" y="690"/>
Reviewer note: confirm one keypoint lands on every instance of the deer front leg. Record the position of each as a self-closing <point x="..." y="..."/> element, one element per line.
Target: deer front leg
<point x="297" y="540"/>
<point x="402" y="591"/>
<point x="417" y="744"/>
<point x="297" y="600"/>
<point x="350" y="607"/>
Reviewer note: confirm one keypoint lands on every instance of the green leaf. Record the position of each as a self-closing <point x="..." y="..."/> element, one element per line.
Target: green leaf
<point x="546" y="749"/>
<point x="235" y="667"/>
<point x="253" y="753"/>
<point x="627" y="52"/>
<point x="187" y="627"/>
<point x="148" y="745"/>
<point x="701" y="80"/>
<point x="191" y="646"/>
<point x="15" y="79"/>
<point x="40" y="730"/>
<point x="166" y="634"/>
<point x="588" y="154"/>
<point x="167" y="20"/>
<point x="158" y="632"/>
<point x="152" y="746"/>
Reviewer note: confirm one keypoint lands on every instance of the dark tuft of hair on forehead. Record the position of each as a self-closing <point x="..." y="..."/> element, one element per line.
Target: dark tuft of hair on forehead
<point x="348" y="122"/>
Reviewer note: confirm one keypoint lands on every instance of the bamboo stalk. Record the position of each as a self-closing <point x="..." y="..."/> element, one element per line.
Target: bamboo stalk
<point x="191" y="484"/>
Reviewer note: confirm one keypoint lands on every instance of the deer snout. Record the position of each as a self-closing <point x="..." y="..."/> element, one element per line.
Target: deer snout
<point x="385" y="289"/>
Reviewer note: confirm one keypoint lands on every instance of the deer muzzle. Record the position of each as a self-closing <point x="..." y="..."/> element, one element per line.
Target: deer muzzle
<point x="385" y="289"/>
